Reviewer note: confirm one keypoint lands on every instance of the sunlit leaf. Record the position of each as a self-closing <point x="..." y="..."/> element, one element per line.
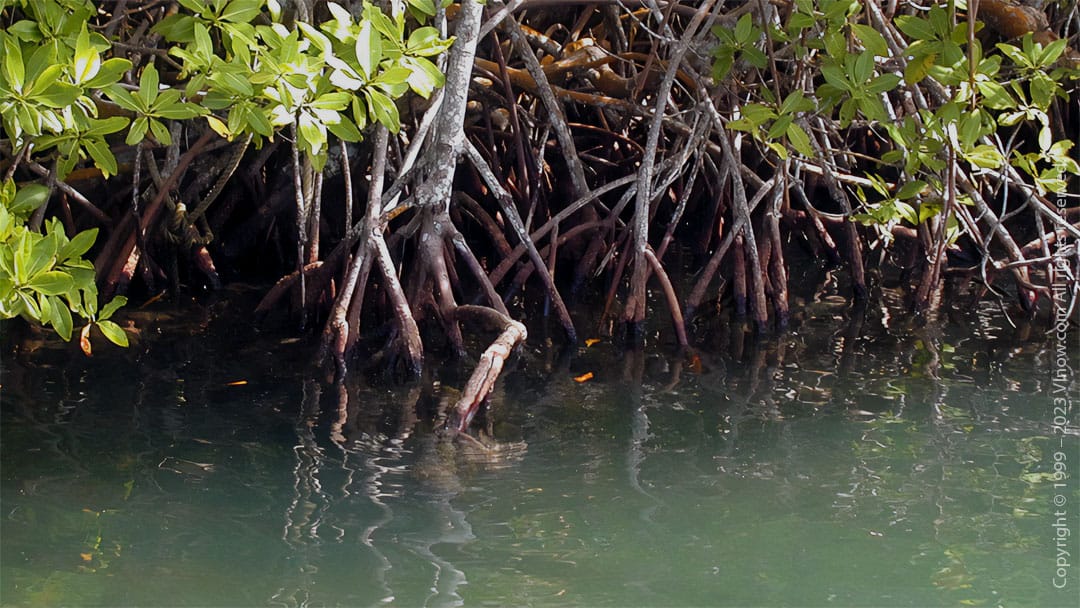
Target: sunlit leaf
<point x="110" y="308"/>
<point x="14" y="71"/>
<point x="161" y="132"/>
<point x="51" y="283"/>
<point x="242" y="11"/>
<point x="87" y="61"/>
<point x="102" y="155"/>
<point x="78" y="245"/>
<point x="113" y="332"/>
<point x="148" y="86"/>
<point x="61" y="318"/>
<point x="800" y="140"/>
<point x="28" y="198"/>
<point x="871" y="39"/>
<point x="368" y="49"/>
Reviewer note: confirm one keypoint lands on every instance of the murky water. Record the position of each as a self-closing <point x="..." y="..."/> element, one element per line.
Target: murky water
<point x="912" y="466"/>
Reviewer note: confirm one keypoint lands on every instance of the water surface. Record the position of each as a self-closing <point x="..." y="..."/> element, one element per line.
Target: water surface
<point x="850" y="462"/>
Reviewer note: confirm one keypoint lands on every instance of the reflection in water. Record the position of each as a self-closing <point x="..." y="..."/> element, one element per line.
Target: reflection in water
<point x="374" y="467"/>
<point x="800" y="469"/>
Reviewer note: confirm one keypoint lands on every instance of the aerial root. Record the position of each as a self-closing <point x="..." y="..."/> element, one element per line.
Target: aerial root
<point x="490" y="365"/>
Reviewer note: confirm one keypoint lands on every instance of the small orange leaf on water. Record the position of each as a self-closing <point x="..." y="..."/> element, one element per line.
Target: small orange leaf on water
<point x="591" y="341"/>
<point x="237" y="383"/>
<point x="584" y="377"/>
<point x="86" y="556"/>
<point x="695" y="364"/>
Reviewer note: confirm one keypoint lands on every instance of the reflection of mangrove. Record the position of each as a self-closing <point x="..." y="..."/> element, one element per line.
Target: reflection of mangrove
<point x="373" y="463"/>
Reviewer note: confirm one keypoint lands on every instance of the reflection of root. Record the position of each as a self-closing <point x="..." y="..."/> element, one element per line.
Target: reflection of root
<point x="486" y="453"/>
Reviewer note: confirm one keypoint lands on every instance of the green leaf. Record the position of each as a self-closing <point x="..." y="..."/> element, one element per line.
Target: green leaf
<point x="918" y="68"/>
<point x="383" y="110"/>
<point x="780" y="127"/>
<point x="863" y="67"/>
<point x="137" y="132"/>
<point x="906" y="211"/>
<point x="78" y="245"/>
<point x="426" y="7"/>
<point x="234" y="81"/>
<point x="110" y="308"/>
<point x="421" y="39"/>
<point x="970" y="128"/>
<point x="1052" y="51"/>
<point x="28" y="304"/>
<point x="113" y="332"/>
<point x="14" y="71"/>
<point x="368" y="49"/>
<point x="197" y="6"/>
<point x="28" y="198"/>
<point x="259" y="123"/>
<point x="337" y="100"/>
<point x="148" y="86"/>
<point x="910" y="189"/>
<point x="758" y="114"/>
<point x="1042" y="91"/>
<point x="317" y="38"/>
<point x="796" y="102"/>
<point x="123" y="98"/>
<point x="836" y="43"/>
<point x="1046" y="138"/>
<point x="871" y="39"/>
<point x="25" y="30"/>
<point x="929" y="209"/>
<point x="872" y="108"/>
<point x="61" y="318"/>
<point x="42" y="255"/>
<point x="741" y="124"/>
<point x="995" y="96"/>
<point x="425" y="77"/>
<point x="985" y="156"/>
<point x="51" y="283"/>
<point x="779" y="149"/>
<point x="744" y="28"/>
<point x="800" y="140"/>
<point x="392" y="31"/>
<point x="915" y="27"/>
<point x="312" y="133"/>
<point x="87" y="61"/>
<point x="180" y="111"/>
<point x="345" y="130"/>
<point x="939" y="21"/>
<point x="161" y="132"/>
<point x="242" y="11"/>
<point x="47" y="89"/>
<point x="102" y="155"/>
<point x="1013" y="53"/>
<point x="835" y="76"/>
<point x="176" y="28"/>
<point x="883" y="84"/>
<point x="755" y="57"/>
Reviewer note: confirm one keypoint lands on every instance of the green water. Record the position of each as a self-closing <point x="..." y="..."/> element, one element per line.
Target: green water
<point x="907" y="467"/>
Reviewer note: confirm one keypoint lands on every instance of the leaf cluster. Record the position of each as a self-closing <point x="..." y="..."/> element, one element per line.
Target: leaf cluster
<point x="243" y="70"/>
<point x="859" y="78"/>
<point x="43" y="276"/>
